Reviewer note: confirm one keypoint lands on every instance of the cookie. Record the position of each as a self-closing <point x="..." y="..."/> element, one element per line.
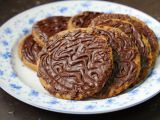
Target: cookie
<point x="75" y="64"/>
<point x="143" y="29"/>
<point x="140" y="41"/>
<point x="28" y="52"/>
<point x="45" y="28"/>
<point x="126" y="57"/>
<point x="82" y="20"/>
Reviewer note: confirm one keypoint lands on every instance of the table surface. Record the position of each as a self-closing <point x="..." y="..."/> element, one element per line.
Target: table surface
<point x="13" y="109"/>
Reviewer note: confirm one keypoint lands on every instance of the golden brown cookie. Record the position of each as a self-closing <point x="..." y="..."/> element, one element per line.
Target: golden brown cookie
<point x="82" y="20"/>
<point x="28" y="52"/>
<point x="45" y="28"/>
<point x="143" y="29"/>
<point x="75" y="64"/>
<point x="126" y="57"/>
<point x="140" y="41"/>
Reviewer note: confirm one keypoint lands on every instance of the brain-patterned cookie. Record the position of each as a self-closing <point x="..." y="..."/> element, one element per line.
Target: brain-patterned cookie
<point x="75" y="64"/>
<point x="143" y="29"/>
<point x="28" y="52"/>
<point x="45" y="28"/>
<point x="82" y="20"/>
<point x="140" y="41"/>
<point x="126" y="59"/>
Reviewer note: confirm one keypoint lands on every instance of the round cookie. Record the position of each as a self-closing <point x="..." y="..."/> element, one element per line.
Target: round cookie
<point x="127" y="64"/>
<point x="82" y="20"/>
<point x="45" y="28"/>
<point x="142" y="28"/>
<point x="75" y="64"/>
<point x="28" y="52"/>
<point x="141" y="43"/>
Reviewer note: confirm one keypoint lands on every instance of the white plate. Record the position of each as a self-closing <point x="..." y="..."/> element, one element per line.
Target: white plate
<point x="22" y="83"/>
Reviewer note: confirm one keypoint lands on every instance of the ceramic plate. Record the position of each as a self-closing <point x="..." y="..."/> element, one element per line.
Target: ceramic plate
<point x="22" y="83"/>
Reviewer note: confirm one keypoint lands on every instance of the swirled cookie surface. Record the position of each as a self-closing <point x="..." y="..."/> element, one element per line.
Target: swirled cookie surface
<point x="144" y="30"/>
<point x="29" y="51"/>
<point x="82" y="20"/>
<point x="141" y="43"/>
<point x="75" y="64"/>
<point x="126" y="58"/>
<point x="45" y="28"/>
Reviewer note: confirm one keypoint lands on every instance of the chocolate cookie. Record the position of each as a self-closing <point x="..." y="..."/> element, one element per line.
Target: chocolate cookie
<point x="28" y="52"/>
<point x="140" y="41"/>
<point x="82" y="20"/>
<point x="143" y="29"/>
<point x="75" y="64"/>
<point x="127" y="64"/>
<point x="45" y="28"/>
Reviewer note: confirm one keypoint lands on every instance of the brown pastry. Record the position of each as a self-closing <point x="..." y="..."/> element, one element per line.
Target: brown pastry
<point x="75" y="64"/>
<point x="140" y="41"/>
<point x="143" y="29"/>
<point x="45" y="28"/>
<point x="28" y="52"/>
<point x="82" y="20"/>
<point x="126" y="57"/>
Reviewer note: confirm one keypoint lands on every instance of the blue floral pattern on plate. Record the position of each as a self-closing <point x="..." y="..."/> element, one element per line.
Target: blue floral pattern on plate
<point x="20" y="25"/>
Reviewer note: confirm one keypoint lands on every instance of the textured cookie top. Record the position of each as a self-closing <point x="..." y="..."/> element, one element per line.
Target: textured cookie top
<point x="127" y="28"/>
<point x="126" y="61"/>
<point x="141" y="43"/>
<point x="30" y="49"/>
<point x="50" y="26"/>
<point x="75" y="63"/>
<point x="139" y="25"/>
<point x="82" y="20"/>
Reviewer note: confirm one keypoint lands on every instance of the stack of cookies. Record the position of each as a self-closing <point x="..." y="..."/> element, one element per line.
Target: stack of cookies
<point x="90" y="55"/>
